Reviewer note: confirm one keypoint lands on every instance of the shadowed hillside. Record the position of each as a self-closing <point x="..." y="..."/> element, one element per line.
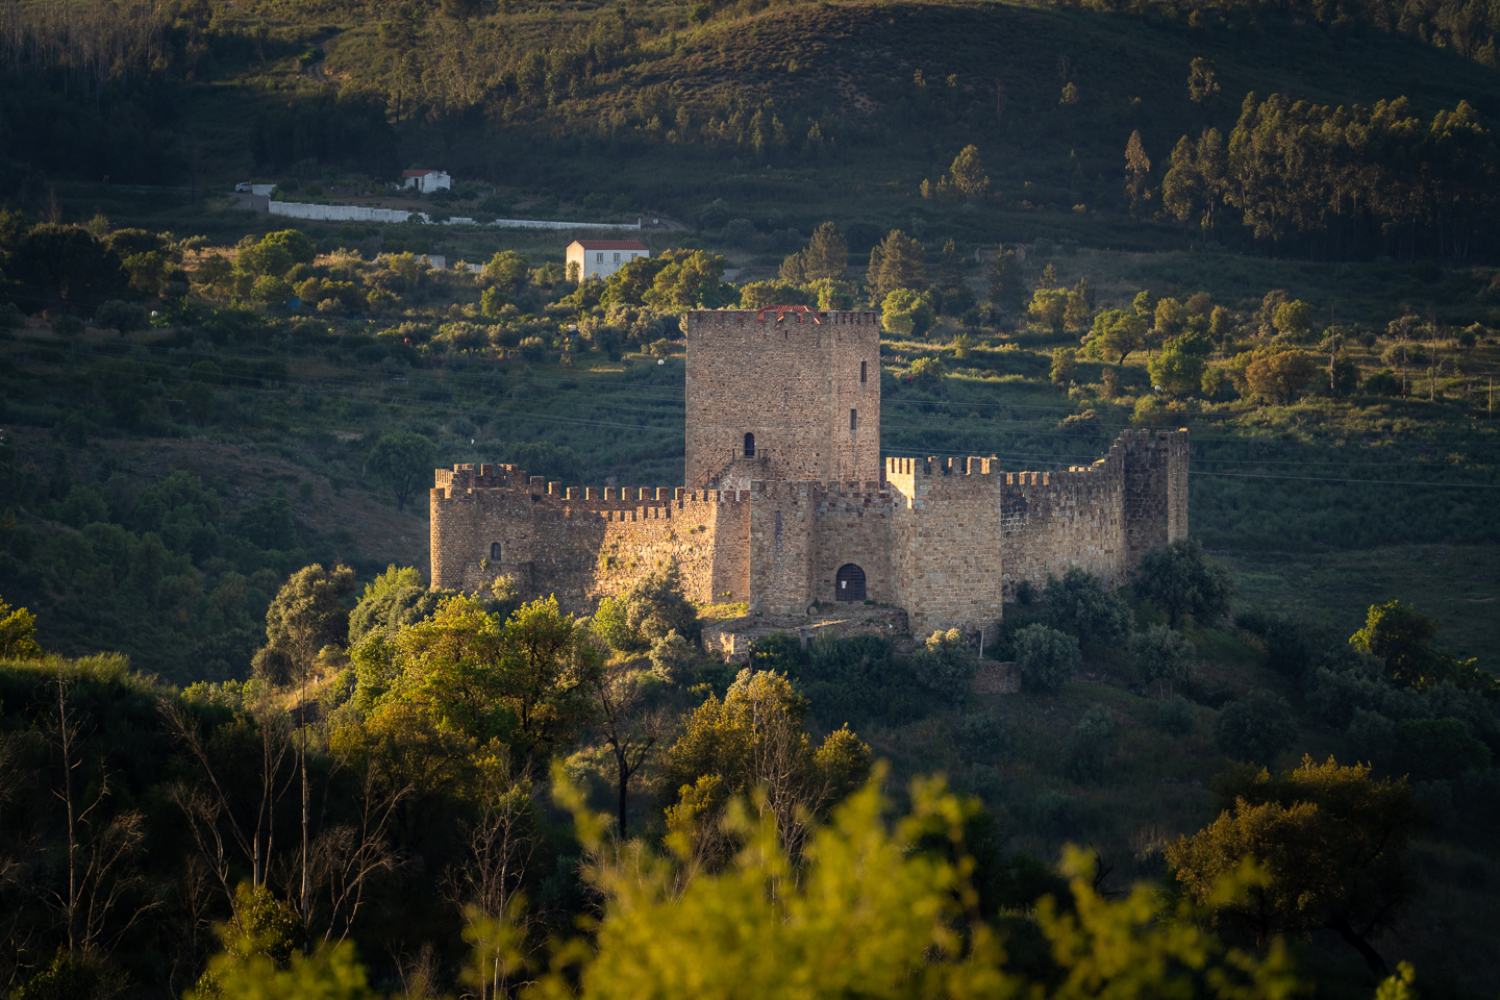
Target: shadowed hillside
<point x="781" y="114"/>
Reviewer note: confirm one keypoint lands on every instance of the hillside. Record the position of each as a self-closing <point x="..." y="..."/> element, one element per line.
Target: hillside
<point x="247" y="749"/>
<point x="780" y="114"/>
<point x="1371" y="495"/>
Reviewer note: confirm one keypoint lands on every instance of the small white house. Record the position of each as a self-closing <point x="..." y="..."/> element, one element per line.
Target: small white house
<point x="601" y="258"/>
<point x="425" y="180"/>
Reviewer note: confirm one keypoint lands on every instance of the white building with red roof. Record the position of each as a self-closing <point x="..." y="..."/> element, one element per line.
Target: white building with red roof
<point x="600" y="258"/>
<point x="426" y="180"/>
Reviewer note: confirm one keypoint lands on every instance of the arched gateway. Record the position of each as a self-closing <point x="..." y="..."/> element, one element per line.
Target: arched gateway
<point x="849" y="584"/>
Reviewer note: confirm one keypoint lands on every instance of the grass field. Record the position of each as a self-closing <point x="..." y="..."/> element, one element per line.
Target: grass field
<point x="1458" y="584"/>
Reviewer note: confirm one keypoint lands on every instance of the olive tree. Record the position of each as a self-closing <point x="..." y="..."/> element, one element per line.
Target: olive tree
<point x="402" y="462"/>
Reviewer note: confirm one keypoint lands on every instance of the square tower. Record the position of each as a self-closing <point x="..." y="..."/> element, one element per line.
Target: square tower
<point x="782" y="393"/>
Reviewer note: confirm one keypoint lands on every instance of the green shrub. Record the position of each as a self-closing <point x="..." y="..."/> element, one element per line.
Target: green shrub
<point x="1382" y="383"/>
<point x="67" y="326"/>
<point x="67" y="977"/>
<point x="945" y="666"/>
<point x="927" y="372"/>
<point x="1173" y="716"/>
<point x="907" y="313"/>
<point x="1289" y="650"/>
<point x="673" y="658"/>
<point x="1255" y="728"/>
<point x="779" y="651"/>
<point x="1046" y="657"/>
<point x="122" y="317"/>
<point x="1437" y="749"/>
<point x="1180" y="580"/>
<point x="983" y="735"/>
<point x="1161" y="657"/>
<point x="1215" y="384"/>
<point x="859" y="677"/>
<point x="1090" y="746"/>
<point x="1079" y="603"/>
<point x="1281" y="377"/>
<point x="652" y="608"/>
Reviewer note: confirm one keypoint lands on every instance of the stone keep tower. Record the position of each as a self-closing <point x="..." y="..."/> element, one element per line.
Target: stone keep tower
<point x="784" y="393"/>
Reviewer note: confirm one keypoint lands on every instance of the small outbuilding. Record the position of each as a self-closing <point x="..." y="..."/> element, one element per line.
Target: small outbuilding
<point x="425" y="180"/>
<point x="600" y="258"/>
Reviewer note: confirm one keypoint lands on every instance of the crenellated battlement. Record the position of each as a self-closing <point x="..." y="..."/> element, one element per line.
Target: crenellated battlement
<point x="772" y="318"/>
<point x="1105" y="474"/>
<point x="855" y="491"/>
<point x="932" y="466"/>
<point x="1079" y="483"/>
<point x="776" y="489"/>
<point x="812" y="489"/>
<point x="467" y="476"/>
<point x="551" y="499"/>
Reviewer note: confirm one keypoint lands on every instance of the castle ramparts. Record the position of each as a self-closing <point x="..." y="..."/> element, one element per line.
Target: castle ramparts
<point x="949" y="540"/>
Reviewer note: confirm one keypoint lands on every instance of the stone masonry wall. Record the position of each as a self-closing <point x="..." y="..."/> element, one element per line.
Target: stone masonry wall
<point x="782" y="528"/>
<point x="945" y="540"/>
<point x="1155" y="490"/>
<point x="791" y="379"/>
<point x="946" y="551"/>
<point x="853" y="526"/>
<point x="1102" y="517"/>
<point x="1055" y="520"/>
<point x="801" y="533"/>
<point x="581" y="544"/>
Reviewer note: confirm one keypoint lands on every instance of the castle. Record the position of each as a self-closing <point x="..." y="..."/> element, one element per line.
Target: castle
<point x="787" y="506"/>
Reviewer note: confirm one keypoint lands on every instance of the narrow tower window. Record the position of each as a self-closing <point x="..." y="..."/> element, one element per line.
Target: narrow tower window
<point x="863" y="376"/>
<point x="494" y="552"/>
<point x="749" y="445"/>
<point x="854" y="420"/>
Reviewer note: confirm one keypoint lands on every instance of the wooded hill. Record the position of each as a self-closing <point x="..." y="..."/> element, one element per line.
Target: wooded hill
<point x="785" y="114"/>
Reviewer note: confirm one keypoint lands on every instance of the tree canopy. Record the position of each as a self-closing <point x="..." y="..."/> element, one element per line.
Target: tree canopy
<point x="402" y="461"/>
<point x="1333" y="842"/>
<point x="898" y="261"/>
<point x="1181" y="580"/>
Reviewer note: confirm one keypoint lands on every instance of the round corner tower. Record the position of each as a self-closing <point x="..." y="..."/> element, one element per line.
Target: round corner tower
<point x="783" y="393"/>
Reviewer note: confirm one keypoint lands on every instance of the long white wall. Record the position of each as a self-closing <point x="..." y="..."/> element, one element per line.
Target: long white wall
<point x="364" y="213"/>
<point x="339" y="213"/>
<point x="551" y="224"/>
